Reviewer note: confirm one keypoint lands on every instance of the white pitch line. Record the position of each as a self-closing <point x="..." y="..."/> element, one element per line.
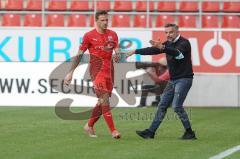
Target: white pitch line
<point x="226" y="153"/>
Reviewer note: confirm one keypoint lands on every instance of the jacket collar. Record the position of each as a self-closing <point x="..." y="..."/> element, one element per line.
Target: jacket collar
<point x="176" y="39"/>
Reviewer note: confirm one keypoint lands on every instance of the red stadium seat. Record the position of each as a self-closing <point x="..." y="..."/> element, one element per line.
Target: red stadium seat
<point x="161" y="20"/>
<point x="77" y="20"/>
<point x="103" y="5"/>
<point x="14" y="5"/>
<point x="210" y="21"/>
<point x="55" y="20"/>
<point x="33" y="20"/>
<point x="57" y="5"/>
<point x="11" y="20"/>
<point x="188" y="6"/>
<point x="91" y="21"/>
<point x="142" y="6"/>
<point x="77" y="5"/>
<point x="231" y="6"/>
<point x="141" y="21"/>
<point x="34" y="5"/>
<point x="166" y="6"/>
<point x="210" y="6"/>
<point x="187" y="21"/>
<point x="122" y="6"/>
<point x="231" y="21"/>
<point x="121" y="20"/>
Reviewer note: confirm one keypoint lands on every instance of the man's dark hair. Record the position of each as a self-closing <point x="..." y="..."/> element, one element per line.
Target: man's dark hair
<point x="175" y="26"/>
<point x="98" y="13"/>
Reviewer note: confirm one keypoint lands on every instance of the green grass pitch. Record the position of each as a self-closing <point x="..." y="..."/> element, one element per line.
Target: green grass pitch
<point x="37" y="133"/>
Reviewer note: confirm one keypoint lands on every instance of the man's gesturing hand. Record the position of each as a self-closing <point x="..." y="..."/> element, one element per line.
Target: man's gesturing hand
<point x="157" y="44"/>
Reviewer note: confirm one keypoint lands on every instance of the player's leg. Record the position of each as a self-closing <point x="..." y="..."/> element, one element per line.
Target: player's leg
<point x="158" y="90"/>
<point x="95" y="115"/>
<point x="166" y="100"/>
<point x="182" y="86"/>
<point x="106" y="111"/>
<point x="97" y="110"/>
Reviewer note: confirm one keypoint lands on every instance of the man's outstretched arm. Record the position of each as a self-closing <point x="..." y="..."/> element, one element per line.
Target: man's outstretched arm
<point x="157" y="48"/>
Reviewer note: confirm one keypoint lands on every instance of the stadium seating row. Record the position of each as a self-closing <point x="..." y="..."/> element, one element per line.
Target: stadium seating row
<point x="76" y="5"/>
<point x="122" y="20"/>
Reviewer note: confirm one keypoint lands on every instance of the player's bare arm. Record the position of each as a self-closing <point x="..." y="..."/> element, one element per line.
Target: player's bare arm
<point x="75" y="62"/>
<point x="117" y="55"/>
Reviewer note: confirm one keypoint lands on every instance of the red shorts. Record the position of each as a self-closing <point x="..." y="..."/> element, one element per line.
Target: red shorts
<point x="103" y="85"/>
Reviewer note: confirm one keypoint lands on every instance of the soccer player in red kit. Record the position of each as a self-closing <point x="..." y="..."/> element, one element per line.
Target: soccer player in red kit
<point x="100" y="42"/>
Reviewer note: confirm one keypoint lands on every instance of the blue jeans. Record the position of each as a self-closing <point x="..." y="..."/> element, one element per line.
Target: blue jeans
<point x="174" y="94"/>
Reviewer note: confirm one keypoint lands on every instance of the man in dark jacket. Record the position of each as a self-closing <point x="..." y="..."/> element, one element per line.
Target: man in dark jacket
<point x="178" y="53"/>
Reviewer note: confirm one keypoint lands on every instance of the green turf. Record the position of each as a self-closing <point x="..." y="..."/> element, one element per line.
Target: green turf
<point x="37" y="133"/>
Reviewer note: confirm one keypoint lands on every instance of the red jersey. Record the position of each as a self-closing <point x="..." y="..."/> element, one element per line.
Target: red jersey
<point x="100" y="46"/>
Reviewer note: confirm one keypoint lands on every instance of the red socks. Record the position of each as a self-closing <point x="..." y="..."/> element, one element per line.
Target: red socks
<point x="108" y="117"/>
<point x="96" y="113"/>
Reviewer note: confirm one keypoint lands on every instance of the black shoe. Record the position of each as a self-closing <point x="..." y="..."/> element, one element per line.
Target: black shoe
<point x="189" y="135"/>
<point x="146" y="134"/>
